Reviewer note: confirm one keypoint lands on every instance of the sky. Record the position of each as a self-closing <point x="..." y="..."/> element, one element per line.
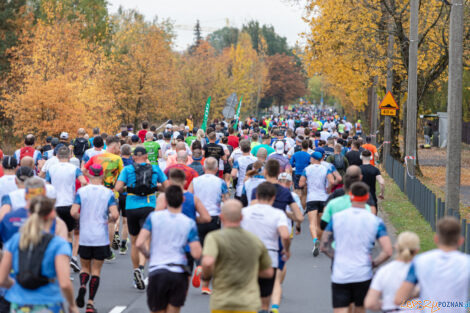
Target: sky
<point x="214" y="14"/>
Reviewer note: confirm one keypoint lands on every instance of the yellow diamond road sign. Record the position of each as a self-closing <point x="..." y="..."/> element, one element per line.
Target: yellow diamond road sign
<point x="388" y="102"/>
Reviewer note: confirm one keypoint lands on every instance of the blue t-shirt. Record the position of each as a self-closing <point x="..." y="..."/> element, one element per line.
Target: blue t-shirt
<point x="127" y="161"/>
<point x="283" y="197"/>
<point x="11" y="223"/>
<point x="47" y="294"/>
<point x="136" y="202"/>
<point x="300" y="160"/>
<point x="189" y="208"/>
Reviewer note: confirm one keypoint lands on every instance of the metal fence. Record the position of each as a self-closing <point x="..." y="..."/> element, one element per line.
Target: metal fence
<point x="428" y="204"/>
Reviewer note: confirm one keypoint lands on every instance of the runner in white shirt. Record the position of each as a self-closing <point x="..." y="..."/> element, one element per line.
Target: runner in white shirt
<point x="63" y="176"/>
<point x="15" y="199"/>
<point x="93" y="206"/>
<point x="240" y="165"/>
<point x="316" y="178"/>
<point x="8" y="180"/>
<point x="269" y="224"/>
<point x="212" y="191"/>
<point x="443" y="274"/>
<point x="354" y="231"/>
<point x="387" y="280"/>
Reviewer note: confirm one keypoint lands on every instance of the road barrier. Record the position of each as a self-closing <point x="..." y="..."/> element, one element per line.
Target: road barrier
<point x="428" y="204"/>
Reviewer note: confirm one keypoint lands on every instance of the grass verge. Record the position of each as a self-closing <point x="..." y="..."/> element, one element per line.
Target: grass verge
<point x="404" y="216"/>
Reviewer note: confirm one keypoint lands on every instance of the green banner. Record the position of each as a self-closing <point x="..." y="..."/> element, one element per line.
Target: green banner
<point x="237" y="116"/>
<point x="206" y="114"/>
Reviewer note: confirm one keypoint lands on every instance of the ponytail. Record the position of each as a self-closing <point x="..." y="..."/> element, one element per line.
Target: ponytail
<point x="406" y="255"/>
<point x="407" y="246"/>
<point x="31" y="231"/>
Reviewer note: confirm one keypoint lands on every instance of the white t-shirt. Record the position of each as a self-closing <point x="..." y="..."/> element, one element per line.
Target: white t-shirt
<point x="170" y="233"/>
<point x="316" y="182"/>
<point x="49" y="163"/>
<point x="241" y="164"/>
<point x="442" y="277"/>
<point x="16" y="198"/>
<point x="324" y="135"/>
<point x="355" y="231"/>
<point x="91" y="153"/>
<point x="7" y="185"/>
<point x="388" y="280"/>
<point x="94" y="201"/>
<point x="264" y="221"/>
<point x="209" y="189"/>
<point x="251" y="184"/>
<point x="62" y="176"/>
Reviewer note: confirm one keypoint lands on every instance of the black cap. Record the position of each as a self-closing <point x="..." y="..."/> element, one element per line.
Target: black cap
<point x="180" y="137"/>
<point x="140" y="151"/>
<point x="55" y="141"/>
<point x="135" y="138"/>
<point x="9" y="162"/>
<point x="24" y="173"/>
<point x="48" y="139"/>
<point x="167" y="135"/>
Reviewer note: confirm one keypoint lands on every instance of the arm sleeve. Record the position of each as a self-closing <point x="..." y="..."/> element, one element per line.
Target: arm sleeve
<point x="77" y="200"/>
<point x="123" y="176"/>
<point x="63" y="248"/>
<point x="148" y="223"/>
<point x="112" y="200"/>
<point x="78" y="173"/>
<point x="289" y="197"/>
<point x="6" y="200"/>
<point x="326" y="217"/>
<point x="224" y="188"/>
<point x="382" y="230"/>
<point x="411" y="276"/>
<point x="48" y="177"/>
<point x="193" y="234"/>
<point x="210" y="246"/>
<point x="236" y="165"/>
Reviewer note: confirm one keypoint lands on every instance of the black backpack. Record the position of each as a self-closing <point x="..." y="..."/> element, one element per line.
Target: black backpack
<point x="30" y="265"/>
<point x="79" y="146"/>
<point x="143" y="180"/>
<point x="338" y="161"/>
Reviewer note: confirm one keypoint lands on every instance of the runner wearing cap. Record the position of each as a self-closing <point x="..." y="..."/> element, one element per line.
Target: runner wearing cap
<point x="315" y="178"/>
<point x="278" y="155"/>
<point x="7" y="181"/>
<point x="93" y="205"/>
<point x="15" y="199"/>
<point x="141" y="180"/>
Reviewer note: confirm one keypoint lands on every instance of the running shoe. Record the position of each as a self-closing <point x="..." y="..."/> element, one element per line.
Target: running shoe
<point x="111" y="258"/>
<point x="123" y="249"/>
<point x="139" y="279"/>
<point x="80" y="301"/>
<point x="90" y="308"/>
<point x="274" y="311"/>
<point x="206" y="291"/>
<point x="74" y="264"/>
<point x="116" y="241"/>
<point x="197" y="277"/>
<point x="316" y="248"/>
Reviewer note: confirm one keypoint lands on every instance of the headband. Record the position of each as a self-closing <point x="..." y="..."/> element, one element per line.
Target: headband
<point x="363" y="198"/>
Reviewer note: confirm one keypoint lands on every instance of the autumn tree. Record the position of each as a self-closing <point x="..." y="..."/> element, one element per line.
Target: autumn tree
<point x="285" y="78"/>
<point x="142" y="74"/>
<point x="54" y="83"/>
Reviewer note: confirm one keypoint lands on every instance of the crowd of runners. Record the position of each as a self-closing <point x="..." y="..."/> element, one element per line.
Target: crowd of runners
<point x="217" y="209"/>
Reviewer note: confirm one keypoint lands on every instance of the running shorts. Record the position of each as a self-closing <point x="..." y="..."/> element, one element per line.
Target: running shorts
<point x="296" y="181"/>
<point x="344" y="294"/>
<point x="122" y="204"/>
<point x="4" y="305"/>
<point x="190" y="259"/>
<point x="136" y="219"/>
<point x="64" y="213"/>
<point x="315" y="206"/>
<point x="94" y="253"/>
<point x="166" y="288"/>
<point x="205" y="228"/>
<point x="266" y="285"/>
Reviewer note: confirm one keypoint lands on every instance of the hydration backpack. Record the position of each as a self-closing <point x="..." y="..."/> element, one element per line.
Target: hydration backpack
<point x="79" y="146"/>
<point x="26" y="151"/>
<point x="30" y="265"/>
<point x="143" y="180"/>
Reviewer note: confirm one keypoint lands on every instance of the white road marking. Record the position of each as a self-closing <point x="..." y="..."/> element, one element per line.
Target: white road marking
<point x="118" y="309"/>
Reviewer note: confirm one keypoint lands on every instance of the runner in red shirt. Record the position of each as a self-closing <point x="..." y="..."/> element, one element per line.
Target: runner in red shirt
<point x="232" y="138"/>
<point x="182" y="159"/>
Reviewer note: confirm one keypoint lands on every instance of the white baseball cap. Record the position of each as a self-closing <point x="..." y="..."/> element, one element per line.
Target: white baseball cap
<point x="285" y="176"/>
<point x="64" y="135"/>
<point x="279" y="147"/>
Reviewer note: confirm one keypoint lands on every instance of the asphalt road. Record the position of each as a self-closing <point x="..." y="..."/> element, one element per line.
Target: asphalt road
<point x="306" y="287"/>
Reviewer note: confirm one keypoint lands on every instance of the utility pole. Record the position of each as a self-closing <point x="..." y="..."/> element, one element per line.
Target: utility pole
<point x="454" y="107"/>
<point x="412" y="106"/>
<point x="388" y="119"/>
<point x="374" y="109"/>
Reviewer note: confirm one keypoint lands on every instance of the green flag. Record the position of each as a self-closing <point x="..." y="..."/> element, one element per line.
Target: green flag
<point x="237" y="116"/>
<point x="206" y="114"/>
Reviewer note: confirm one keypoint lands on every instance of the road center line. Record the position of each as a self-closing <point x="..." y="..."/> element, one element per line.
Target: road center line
<point x="118" y="309"/>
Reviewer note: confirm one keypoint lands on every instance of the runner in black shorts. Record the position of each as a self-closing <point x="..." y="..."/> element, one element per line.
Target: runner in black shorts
<point x="315" y="205"/>
<point x="64" y="213"/>
<point x="140" y="202"/>
<point x="121" y="241"/>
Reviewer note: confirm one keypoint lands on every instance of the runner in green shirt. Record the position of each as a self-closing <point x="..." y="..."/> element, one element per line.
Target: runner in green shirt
<point x="152" y="147"/>
<point x="190" y="139"/>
